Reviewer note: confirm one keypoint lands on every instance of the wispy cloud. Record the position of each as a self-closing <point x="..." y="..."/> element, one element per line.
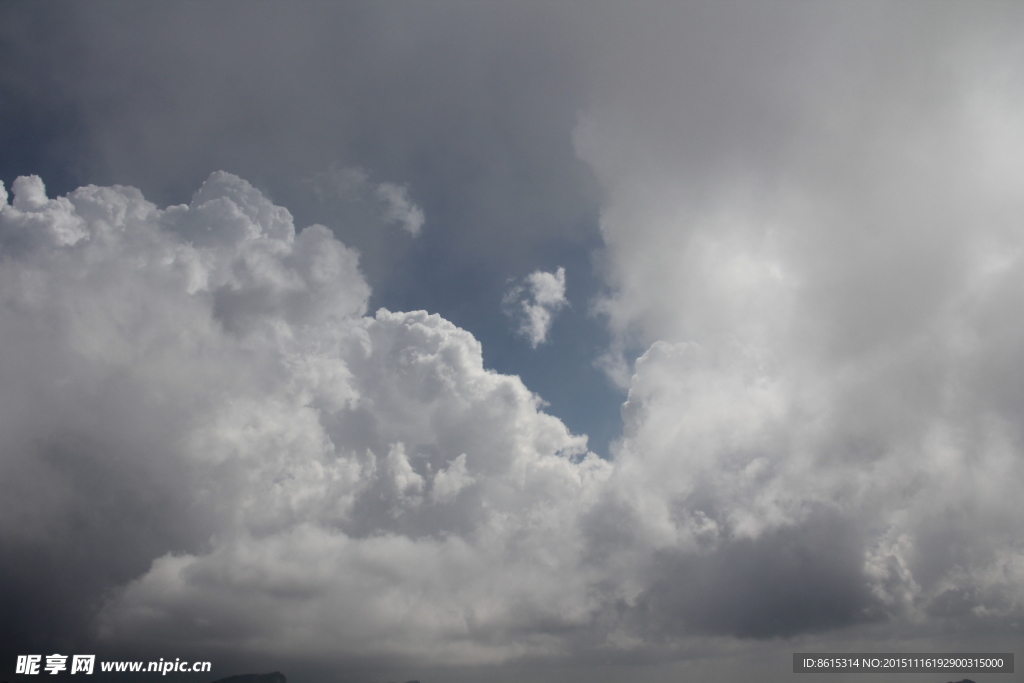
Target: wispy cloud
<point x="399" y="209"/>
<point x="389" y="202"/>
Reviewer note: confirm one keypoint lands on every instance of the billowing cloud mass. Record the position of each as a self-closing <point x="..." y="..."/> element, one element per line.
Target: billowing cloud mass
<point x="535" y="302"/>
<point x="307" y="479"/>
<point x="810" y="268"/>
<point x="826" y="287"/>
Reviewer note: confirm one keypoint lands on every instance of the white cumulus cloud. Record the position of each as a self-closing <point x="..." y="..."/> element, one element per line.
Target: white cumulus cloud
<point x="257" y="462"/>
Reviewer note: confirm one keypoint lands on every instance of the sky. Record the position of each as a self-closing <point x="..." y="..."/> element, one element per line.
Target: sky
<point x="511" y="341"/>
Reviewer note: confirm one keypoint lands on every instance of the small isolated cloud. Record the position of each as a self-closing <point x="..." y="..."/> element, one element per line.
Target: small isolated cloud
<point x="399" y="209"/>
<point x="535" y="302"/>
<point x="386" y="202"/>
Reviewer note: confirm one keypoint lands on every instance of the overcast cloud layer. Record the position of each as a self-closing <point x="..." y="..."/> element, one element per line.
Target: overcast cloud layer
<point x="807" y="261"/>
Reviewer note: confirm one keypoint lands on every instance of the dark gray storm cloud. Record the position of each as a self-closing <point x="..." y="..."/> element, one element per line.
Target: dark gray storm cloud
<point x="473" y="102"/>
<point x="796" y="579"/>
<point x="789" y="234"/>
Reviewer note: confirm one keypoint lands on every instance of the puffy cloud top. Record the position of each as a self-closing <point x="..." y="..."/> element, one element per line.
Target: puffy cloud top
<point x="297" y="477"/>
<point x="199" y="412"/>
